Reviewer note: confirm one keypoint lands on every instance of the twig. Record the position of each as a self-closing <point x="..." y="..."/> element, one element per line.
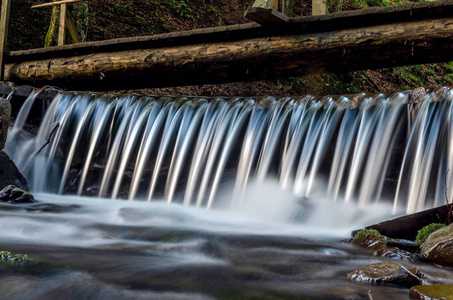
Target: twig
<point x="48" y="139"/>
<point x="449" y="205"/>
<point x="42" y="147"/>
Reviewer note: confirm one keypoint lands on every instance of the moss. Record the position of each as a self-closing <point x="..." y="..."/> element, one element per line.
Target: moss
<point x="18" y="260"/>
<point x="365" y="231"/>
<point x="423" y="233"/>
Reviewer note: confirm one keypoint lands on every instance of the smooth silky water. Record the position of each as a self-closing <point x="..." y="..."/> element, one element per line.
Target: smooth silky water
<point x="192" y="198"/>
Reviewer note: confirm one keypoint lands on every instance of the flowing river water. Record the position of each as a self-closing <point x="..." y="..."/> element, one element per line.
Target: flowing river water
<point x="233" y="198"/>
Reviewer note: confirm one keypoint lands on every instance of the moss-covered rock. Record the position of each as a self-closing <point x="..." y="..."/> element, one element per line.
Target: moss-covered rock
<point x="366" y="231"/>
<point x="18" y="260"/>
<point x="438" y="248"/>
<point x="13" y="194"/>
<point x="373" y="240"/>
<point x="423" y="233"/>
<point x="432" y="292"/>
<point x="387" y="273"/>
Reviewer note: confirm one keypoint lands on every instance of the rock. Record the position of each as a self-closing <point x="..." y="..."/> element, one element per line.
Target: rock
<point x="5" y="116"/>
<point x="371" y="241"/>
<point x="399" y="254"/>
<point x="13" y="194"/>
<point x="438" y="248"/>
<point x="432" y="292"/>
<point x="387" y="273"/>
<point x="380" y="244"/>
<point x="9" y="174"/>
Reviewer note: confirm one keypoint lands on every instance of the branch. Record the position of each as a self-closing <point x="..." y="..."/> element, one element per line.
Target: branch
<point x="48" y="140"/>
<point x="449" y="205"/>
<point x="42" y="147"/>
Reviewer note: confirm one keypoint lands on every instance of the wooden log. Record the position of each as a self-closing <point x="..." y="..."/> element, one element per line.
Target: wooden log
<point x="318" y="7"/>
<point x="406" y="227"/>
<point x="56" y="3"/>
<point x="4" y="21"/>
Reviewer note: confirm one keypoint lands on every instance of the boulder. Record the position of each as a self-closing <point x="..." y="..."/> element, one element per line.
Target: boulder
<point x="5" y="116"/>
<point x="13" y="194"/>
<point x="438" y="248"/>
<point x="387" y="273"/>
<point x="432" y="292"/>
<point x="9" y="174"/>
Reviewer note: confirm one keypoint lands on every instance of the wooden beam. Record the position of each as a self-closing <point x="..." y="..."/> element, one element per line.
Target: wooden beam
<point x="266" y="12"/>
<point x="72" y="30"/>
<point x="318" y="7"/>
<point x="271" y="4"/>
<point x="406" y="227"/>
<point x="50" y="4"/>
<point x="4" y="22"/>
<point x="266" y="16"/>
<point x="62" y="25"/>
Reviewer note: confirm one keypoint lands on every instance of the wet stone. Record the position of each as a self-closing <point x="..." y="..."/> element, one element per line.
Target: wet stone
<point x="13" y="194"/>
<point x="380" y="244"/>
<point x="371" y="241"/>
<point x="432" y="292"/>
<point x="9" y="174"/>
<point x="438" y="248"/>
<point x="387" y="273"/>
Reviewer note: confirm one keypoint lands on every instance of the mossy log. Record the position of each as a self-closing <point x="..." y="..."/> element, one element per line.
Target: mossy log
<point x="245" y="55"/>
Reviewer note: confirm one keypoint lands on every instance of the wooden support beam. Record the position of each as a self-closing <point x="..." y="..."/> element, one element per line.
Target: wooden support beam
<point x="50" y="4"/>
<point x="266" y="12"/>
<point x="271" y="4"/>
<point x="72" y="30"/>
<point x="318" y="7"/>
<point x="62" y="25"/>
<point x="4" y="21"/>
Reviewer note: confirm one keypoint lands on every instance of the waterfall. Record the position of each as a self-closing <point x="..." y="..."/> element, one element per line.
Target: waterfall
<point x="365" y="149"/>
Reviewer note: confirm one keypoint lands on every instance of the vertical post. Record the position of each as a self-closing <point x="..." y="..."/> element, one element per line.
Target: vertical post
<point x="318" y="7"/>
<point x="62" y="27"/>
<point x="4" y="20"/>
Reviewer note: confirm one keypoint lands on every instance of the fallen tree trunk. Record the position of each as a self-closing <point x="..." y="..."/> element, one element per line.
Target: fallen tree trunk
<point x="247" y="59"/>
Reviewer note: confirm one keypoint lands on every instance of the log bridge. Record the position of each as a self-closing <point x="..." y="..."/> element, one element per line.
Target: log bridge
<point x="278" y="47"/>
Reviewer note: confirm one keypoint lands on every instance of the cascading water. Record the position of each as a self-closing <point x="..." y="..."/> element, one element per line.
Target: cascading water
<point x="366" y="149"/>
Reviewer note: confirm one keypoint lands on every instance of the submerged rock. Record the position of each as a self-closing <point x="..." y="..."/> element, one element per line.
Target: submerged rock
<point x="438" y="248"/>
<point x="387" y="273"/>
<point x="13" y="194"/>
<point x="9" y="174"/>
<point x="383" y="246"/>
<point x="432" y="292"/>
